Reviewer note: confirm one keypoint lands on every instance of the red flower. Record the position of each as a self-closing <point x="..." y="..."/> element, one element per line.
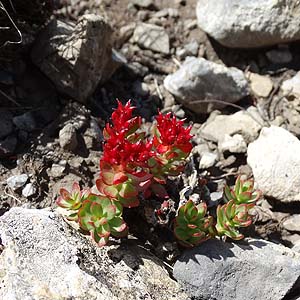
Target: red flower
<point x="171" y="136"/>
<point x="122" y="121"/>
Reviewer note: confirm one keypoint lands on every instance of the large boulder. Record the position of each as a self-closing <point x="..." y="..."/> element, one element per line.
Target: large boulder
<point x="199" y="79"/>
<point x="252" y="270"/>
<point x="76" y="57"/>
<point x="275" y="162"/>
<point x="255" y="23"/>
<point x="44" y="258"/>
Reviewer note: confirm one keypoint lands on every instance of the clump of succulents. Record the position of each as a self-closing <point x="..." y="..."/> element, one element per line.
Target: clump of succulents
<point x="102" y="217"/>
<point x="235" y="213"/>
<point x="192" y="226"/>
<point x="131" y="166"/>
<point x="231" y="216"/>
<point x="134" y="167"/>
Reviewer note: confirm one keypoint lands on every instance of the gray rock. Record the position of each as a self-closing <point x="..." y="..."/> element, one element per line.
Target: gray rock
<point x="233" y="144"/>
<point x="83" y="53"/>
<point x="252" y="270"/>
<point x="29" y="190"/>
<point x="241" y="122"/>
<point x="275" y="162"/>
<point x="6" y="124"/>
<point x="244" y="24"/>
<point x="292" y="85"/>
<point x="152" y="37"/>
<point x="196" y="80"/>
<point x="44" y="258"/>
<point x="292" y="223"/>
<point x="68" y="137"/>
<point x="279" y="56"/>
<point x="8" y="146"/>
<point x="190" y="49"/>
<point x="16" y="181"/>
<point x="140" y="88"/>
<point x="25" y="122"/>
<point x="207" y="160"/>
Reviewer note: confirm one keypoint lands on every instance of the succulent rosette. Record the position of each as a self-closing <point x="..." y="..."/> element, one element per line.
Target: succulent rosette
<point x="102" y="217"/>
<point x="73" y="200"/>
<point x="192" y="226"/>
<point x="243" y="192"/>
<point x="230" y="217"/>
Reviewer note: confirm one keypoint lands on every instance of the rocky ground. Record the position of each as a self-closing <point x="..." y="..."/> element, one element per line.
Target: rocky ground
<point x="238" y="86"/>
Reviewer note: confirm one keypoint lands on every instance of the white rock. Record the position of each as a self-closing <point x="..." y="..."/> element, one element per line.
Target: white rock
<point x="207" y="160"/>
<point x="255" y="23"/>
<point x="233" y="144"/>
<point x="260" y="85"/>
<point x="292" y="85"/>
<point x="292" y="223"/>
<point x="28" y="190"/>
<point x="152" y="37"/>
<point x="199" y="79"/>
<point x="17" y="181"/>
<point x="275" y="162"/>
<point x="242" y="122"/>
<point x="143" y="3"/>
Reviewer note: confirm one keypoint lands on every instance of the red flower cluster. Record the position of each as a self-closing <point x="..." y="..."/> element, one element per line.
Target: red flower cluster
<point x="133" y="164"/>
<point x="171" y="136"/>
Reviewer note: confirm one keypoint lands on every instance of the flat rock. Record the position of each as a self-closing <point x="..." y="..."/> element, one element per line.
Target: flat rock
<point x="292" y="223"/>
<point x="152" y="37"/>
<point x="250" y="24"/>
<point x="275" y="162"/>
<point x="292" y="85"/>
<point x="76" y="57"/>
<point x="45" y="258"/>
<point x="241" y="122"/>
<point x="252" y="270"/>
<point x="260" y="85"/>
<point x="196" y="80"/>
<point x="17" y="181"/>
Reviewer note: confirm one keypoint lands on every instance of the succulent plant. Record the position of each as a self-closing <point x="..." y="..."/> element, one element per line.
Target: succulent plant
<point x="192" y="226"/>
<point x="243" y="192"/>
<point x="232" y="216"/>
<point x="102" y="217"/>
<point x="73" y="200"/>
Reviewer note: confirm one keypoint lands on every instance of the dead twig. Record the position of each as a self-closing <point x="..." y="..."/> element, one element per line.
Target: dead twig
<point x="12" y="196"/>
<point x="13" y="24"/>
<point x="9" y="98"/>
<point x="158" y="90"/>
<point x="230" y="104"/>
